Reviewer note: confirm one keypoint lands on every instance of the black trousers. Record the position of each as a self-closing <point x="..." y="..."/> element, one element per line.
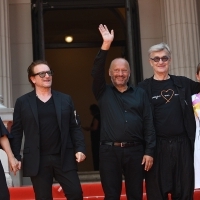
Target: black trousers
<point x="50" y="167"/>
<point x="4" y="192"/>
<point x="115" y="161"/>
<point x="172" y="171"/>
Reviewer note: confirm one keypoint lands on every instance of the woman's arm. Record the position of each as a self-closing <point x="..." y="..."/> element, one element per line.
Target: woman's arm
<point x="13" y="162"/>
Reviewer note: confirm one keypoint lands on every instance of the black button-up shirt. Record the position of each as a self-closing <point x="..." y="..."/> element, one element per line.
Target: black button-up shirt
<point x="125" y="117"/>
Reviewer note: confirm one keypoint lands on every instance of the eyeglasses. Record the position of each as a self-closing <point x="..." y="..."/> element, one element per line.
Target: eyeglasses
<point x="123" y="71"/>
<point x="43" y="74"/>
<point x="157" y="59"/>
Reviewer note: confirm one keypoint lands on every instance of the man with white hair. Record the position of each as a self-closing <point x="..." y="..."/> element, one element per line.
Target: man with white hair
<point x="170" y="98"/>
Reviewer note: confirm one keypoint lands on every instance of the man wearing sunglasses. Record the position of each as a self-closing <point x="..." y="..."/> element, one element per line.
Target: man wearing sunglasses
<point x="170" y="99"/>
<point x="53" y="141"/>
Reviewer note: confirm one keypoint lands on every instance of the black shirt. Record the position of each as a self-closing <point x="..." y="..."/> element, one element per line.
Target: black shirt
<point x="49" y="130"/>
<point x="185" y="88"/>
<point x="125" y="117"/>
<point x="167" y="109"/>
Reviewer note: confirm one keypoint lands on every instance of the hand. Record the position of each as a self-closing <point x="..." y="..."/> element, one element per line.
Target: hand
<point x="107" y="36"/>
<point x="15" y="165"/>
<point x="148" y="161"/>
<point x="80" y="157"/>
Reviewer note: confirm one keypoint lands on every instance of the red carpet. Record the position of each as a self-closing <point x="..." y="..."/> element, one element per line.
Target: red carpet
<point x="91" y="191"/>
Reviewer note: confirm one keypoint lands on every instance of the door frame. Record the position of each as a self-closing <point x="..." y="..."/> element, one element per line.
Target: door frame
<point x="133" y="40"/>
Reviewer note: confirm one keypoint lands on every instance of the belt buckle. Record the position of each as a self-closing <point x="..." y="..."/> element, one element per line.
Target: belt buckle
<point x="122" y="144"/>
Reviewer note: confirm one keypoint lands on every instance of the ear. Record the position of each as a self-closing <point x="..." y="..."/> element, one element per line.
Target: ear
<point x="150" y="62"/>
<point x="198" y="77"/>
<point x="109" y="72"/>
<point x="32" y="79"/>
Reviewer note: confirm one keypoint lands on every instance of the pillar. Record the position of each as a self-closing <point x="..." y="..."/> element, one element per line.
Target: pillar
<point x="5" y="63"/>
<point x="182" y="36"/>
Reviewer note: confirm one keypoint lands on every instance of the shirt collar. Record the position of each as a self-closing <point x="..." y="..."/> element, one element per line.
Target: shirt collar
<point x="128" y="84"/>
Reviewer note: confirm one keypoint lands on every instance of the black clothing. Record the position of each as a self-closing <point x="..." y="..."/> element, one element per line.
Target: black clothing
<point x="50" y="167"/>
<point x="116" y="160"/>
<point x="166" y="101"/>
<point x="49" y="130"/>
<point x="3" y="130"/>
<point x="173" y="170"/>
<point x="4" y="192"/>
<point x="185" y="88"/>
<point x="26" y="120"/>
<point x="125" y="117"/>
<point x="95" y="139"/>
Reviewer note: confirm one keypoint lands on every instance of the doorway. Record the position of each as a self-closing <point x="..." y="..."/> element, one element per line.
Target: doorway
<point x="72" y="62"/>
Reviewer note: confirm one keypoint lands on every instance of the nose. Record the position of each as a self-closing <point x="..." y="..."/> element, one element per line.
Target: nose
<point x="120" y="73"/>
<point x="46" y="74"/>
<point x="160" y="61"/>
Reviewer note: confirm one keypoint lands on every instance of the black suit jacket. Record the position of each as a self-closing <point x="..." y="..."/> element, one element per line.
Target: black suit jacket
<point x="25" y="121"/>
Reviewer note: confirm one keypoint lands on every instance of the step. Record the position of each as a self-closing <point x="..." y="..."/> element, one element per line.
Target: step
<point x="89" y="176"/>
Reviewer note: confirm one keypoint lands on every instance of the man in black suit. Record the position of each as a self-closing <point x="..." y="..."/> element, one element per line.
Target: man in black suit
<point x="53" y="139"/>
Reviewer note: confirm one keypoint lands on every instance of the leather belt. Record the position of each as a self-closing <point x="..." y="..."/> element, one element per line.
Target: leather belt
<point x="121" y="144"/>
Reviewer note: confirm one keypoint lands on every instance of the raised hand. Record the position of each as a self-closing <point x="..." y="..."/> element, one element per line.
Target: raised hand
<point x="107" y="36"/>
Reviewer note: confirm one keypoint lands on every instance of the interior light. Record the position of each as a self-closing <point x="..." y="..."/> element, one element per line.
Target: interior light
<point x="68" y="39"/>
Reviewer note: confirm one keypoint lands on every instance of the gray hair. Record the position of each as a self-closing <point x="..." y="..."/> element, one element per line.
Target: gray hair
<point x="160" y="47"/>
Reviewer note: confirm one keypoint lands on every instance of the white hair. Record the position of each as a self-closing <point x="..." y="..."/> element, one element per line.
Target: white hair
<point x="160" y="47"/>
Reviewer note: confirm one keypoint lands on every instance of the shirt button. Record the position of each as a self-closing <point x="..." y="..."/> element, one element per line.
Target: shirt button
<point x="125" y="111"/>
<point x="126" y="121"/>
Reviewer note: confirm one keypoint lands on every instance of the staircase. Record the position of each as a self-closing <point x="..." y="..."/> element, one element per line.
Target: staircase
<point x="89" y="176"/>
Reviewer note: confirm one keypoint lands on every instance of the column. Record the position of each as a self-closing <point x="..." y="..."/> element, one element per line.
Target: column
<point x="21" y="57"/>
<point x="182" y="36"/>
<point x="5" y="79"/>
<point x="21" y="45"/>
<point x="5" y="63"/>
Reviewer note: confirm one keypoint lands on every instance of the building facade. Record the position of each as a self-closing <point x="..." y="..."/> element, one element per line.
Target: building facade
<point x="176" y="22"/>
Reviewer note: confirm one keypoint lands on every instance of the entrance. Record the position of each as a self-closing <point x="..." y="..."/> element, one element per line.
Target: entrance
<point x="53" y="20"/>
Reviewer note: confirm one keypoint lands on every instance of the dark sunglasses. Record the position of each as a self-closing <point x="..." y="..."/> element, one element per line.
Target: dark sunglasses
<point x="157" y="59"/>
<point x="43" y="74"/>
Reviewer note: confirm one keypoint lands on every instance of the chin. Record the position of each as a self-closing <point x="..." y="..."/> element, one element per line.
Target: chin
<point x="47" y="86"/>
<point x="121" y="83"/>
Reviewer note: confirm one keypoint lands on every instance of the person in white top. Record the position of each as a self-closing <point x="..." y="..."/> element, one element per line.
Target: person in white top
<point x="196" y="106"/>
